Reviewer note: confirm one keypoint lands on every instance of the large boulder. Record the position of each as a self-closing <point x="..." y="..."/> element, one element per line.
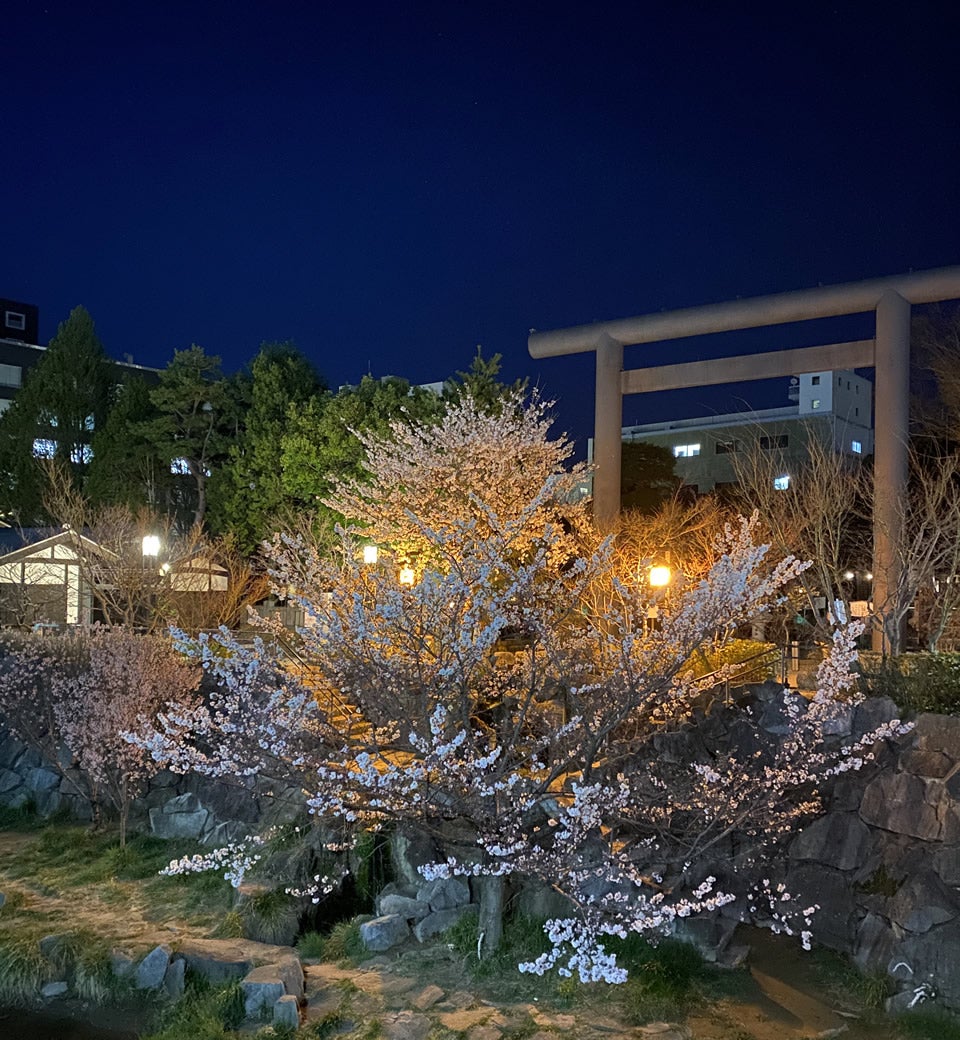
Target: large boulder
<point x="922" y="902"/>
<point x="152" y="970"/>
<point x="441" y="920"/>
<point x="814" y="885"/>
<point x="179" y="817"/>
<point x="932" y="958"/>
<point x="444" y="893"/>
<point x="840" y="840"/>
<point x="384" y="932"/>
<point x="938" y="733"/>
<point x="222" y="960"/>
<point x="899" y="802"/>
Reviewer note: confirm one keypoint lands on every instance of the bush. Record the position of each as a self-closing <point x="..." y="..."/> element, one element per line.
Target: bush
<point x="759" y="660"/>
<point x="919" y="682"/>
<point x="270" y="917"/>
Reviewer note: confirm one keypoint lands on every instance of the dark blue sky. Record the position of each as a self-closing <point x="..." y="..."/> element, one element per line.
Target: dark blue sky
<point x="390" y="184"/>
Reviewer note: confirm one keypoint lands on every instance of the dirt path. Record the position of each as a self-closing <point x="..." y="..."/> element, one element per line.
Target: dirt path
<point x="418" y="991"/>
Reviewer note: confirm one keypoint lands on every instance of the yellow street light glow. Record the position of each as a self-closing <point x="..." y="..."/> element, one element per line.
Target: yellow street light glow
<point x="407" y="576"/>
<point x="370" y="554"/>
<point x="659" y="576"/>
<point x="151" y="545"/>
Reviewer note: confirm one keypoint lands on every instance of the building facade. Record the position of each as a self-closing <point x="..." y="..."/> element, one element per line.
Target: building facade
<point x="834" y="407"/>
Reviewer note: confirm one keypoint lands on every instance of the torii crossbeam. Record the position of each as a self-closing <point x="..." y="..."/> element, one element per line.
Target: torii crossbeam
<point x="889" y="353"/>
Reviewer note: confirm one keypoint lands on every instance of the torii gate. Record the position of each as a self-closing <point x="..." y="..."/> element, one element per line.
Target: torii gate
<point x="889" y="353"/>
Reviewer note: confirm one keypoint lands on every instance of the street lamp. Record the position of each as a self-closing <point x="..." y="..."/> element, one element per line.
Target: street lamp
<point x="659" y="576"/>
<point x="407" y="575"/>
<point x="370" y="554"/>
<point x="151" y="545"/>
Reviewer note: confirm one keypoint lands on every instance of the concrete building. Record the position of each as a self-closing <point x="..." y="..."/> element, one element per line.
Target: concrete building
<point x="20" y="351"/>
<point x="835" y="407"/>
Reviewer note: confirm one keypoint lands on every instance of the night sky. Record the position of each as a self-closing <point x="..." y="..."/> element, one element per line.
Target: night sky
<point x="389" y="185"/>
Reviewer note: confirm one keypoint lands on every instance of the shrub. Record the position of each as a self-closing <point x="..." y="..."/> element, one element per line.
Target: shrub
<point x="758" y="660"/>
<point x="270" y="917"/>
<point x="919" y="682"/>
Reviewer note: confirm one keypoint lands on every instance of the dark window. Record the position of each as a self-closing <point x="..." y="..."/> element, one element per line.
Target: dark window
<point x="779" y="441"/>
<point x="15" y="320"/>
<point x="815" y="381"/>
<point x="727" y="447"/>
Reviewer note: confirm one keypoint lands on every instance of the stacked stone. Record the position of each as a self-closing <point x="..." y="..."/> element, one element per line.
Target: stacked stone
<point x="423" y="911"/>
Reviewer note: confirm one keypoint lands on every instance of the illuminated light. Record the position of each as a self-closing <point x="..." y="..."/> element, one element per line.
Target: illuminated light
<point x="848" y="575"/>
<point x="869" y="576"/>
<point x="407" y="576"/>
<point x="659" y="576"/>
<point x="370" y="554"/>
<point x="151" y="545"/>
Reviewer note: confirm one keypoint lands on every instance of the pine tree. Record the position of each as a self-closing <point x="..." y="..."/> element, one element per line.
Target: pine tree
<point x="64" y="400"/>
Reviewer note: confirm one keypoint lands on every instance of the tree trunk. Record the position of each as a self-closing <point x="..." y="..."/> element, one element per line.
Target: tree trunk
<point x="490" y="928"/>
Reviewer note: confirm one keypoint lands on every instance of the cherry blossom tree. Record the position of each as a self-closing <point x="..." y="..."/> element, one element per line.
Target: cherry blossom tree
<point x="544" y="762"/>
<point x="83" y="692"/>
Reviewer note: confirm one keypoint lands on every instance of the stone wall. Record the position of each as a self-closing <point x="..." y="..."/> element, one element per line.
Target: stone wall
<point x="172" y="806"/>
<point x="883" y="862"/>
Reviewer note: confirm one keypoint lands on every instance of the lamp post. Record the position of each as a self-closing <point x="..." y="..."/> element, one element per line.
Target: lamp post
<point x="659" y="577"/>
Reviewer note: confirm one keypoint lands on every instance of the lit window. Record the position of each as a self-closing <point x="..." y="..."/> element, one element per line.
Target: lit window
<point x="815" y="403"/>
<point x="81" y="453"/>
<point x="856" y="447"/>
<point x="88" y="423"/>
<point x="44" y="448"/>
<point x="10" y="375"/>
<point x="782" y="482"/>
<point x="15" y="320"/>
<point x="180" y="467"/>
<point x="685" y="451"/>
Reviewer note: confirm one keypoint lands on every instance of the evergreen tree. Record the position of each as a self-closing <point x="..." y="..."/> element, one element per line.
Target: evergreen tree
<point x="196" y="416"/>
<point x="127" y="469"/>
<point x="64" y="399"/>
<point x="481" y="385"/>
<point x="247" y="495"/>
<point x="321" y="444"/>
<point x="647" y="478"/>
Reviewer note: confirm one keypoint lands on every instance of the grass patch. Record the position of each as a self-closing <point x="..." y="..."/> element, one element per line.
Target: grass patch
<point x="841" y="978"/>
<point x="927" y="1025"/>
<point x="21" y="818"/>
<point x="523" y="940"/>
<point x="61" y="859"/>
<point x="22" y="971"/>
<point x="343" y="943"/>
<point x="270" y="917"/>
<point x="311" y="945"/>
<point x="664" y="980"/>
<point x="204" y="1013"/>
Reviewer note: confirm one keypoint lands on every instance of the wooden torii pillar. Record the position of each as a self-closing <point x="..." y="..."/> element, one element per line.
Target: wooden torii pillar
<point x="889" y="353"/>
